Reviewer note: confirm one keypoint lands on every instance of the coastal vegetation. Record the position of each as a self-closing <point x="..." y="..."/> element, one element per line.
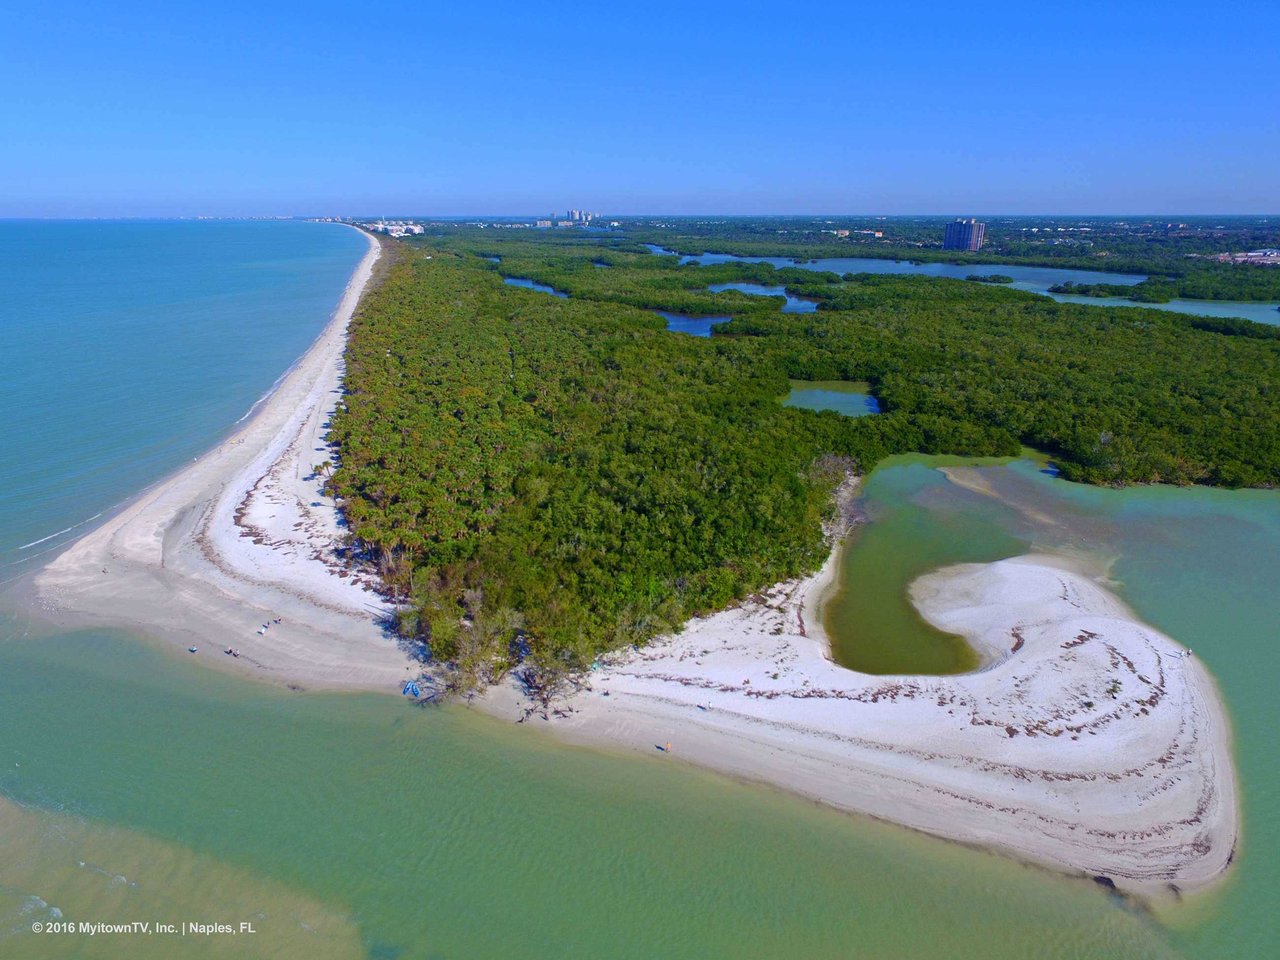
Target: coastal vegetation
<point x="1148" y="291"/>
<point x="543" y="479"/>
<point x="1203" y="281"/>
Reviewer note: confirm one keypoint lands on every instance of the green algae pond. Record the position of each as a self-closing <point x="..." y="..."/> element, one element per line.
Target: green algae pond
<point x="852" y="398"/>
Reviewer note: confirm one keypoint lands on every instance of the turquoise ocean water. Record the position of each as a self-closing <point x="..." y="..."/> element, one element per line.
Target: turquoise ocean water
<point x="130" y="346"/>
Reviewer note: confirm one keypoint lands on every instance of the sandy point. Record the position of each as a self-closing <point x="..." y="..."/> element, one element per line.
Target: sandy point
<point x="1087" y="742"/>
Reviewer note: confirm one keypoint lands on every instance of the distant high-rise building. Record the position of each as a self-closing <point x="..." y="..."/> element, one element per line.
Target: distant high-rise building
<point x="964" y="235"/>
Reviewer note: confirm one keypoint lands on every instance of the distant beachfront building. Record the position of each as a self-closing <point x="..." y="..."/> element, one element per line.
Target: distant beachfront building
<point x="964" y="235"/>
<point x="577" y="218"/>
<point x="394" y="228"/>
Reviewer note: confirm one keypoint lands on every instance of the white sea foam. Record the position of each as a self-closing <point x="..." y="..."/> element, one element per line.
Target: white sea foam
<point x="265" y="397"/>
<point x="36" y="543"/>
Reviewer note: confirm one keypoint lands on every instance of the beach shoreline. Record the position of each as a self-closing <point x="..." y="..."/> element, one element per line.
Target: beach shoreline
<point x="212" y="555"/>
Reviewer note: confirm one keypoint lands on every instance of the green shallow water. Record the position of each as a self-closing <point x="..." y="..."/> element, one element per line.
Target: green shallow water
<point x="1200" y="564"/>
<point x="869" y="617"/>
<point x="441" y="833"/>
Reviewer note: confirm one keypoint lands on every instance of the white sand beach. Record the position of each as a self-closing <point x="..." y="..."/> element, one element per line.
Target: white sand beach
<point x="240" y="537"/>
<point x="1087" y="742"/>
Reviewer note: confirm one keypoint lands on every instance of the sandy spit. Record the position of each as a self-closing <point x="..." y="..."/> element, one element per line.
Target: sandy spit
<point x="1088" y="742"/>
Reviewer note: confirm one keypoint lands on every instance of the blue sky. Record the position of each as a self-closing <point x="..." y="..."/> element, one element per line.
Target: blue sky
<point x="168" y="109"/>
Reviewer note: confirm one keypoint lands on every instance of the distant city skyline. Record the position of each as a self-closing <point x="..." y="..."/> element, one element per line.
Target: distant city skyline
<point x="320" y="109"/>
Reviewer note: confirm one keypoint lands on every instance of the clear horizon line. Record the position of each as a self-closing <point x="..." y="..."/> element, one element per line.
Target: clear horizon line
<point x="673" y="216"/>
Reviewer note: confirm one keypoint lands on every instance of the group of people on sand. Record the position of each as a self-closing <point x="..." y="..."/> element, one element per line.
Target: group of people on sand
<point x="232" y="651"/>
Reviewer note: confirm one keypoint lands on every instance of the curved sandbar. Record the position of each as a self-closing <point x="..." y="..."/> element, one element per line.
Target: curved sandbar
<point x="1087" y="742"/>
<point x="239" y="537"/>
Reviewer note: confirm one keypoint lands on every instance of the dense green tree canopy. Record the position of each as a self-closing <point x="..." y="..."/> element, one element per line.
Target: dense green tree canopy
<point x="552" y="478"/>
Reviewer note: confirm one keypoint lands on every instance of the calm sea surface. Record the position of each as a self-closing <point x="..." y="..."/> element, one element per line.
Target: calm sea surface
<point x="129" y="347"/>
<point x="136" y="786"/>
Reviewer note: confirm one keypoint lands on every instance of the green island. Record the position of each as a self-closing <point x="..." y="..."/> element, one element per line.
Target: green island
<point x="543" y="478"/>
<point x="1148" y="291"/>
<point x="989" y="278"/>
<point x="1225" y="283"/>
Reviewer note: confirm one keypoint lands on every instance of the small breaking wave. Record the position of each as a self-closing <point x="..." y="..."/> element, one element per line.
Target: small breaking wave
<point x="74" y="526"/>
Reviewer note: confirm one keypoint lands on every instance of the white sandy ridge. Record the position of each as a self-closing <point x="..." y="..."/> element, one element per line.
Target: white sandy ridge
<point x="1087" y="742"/>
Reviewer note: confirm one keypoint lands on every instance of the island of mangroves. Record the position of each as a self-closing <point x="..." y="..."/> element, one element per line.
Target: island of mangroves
<point x="538" y="493"/>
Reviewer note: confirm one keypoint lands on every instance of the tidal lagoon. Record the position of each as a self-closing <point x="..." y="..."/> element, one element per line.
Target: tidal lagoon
<point x="1195" y="563"/>
<point x="791" y="304"/>
<point x="853" y="399"/>
<point x="533" y="285"/>
<point x="692" y="325"/>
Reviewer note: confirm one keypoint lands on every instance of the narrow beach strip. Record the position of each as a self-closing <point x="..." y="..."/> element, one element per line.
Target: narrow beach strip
<point x="212" y="556"/>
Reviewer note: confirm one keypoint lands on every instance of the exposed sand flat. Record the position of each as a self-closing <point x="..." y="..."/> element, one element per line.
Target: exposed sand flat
<point x="238" y="538"/>
<point x="1087" y="742"/>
